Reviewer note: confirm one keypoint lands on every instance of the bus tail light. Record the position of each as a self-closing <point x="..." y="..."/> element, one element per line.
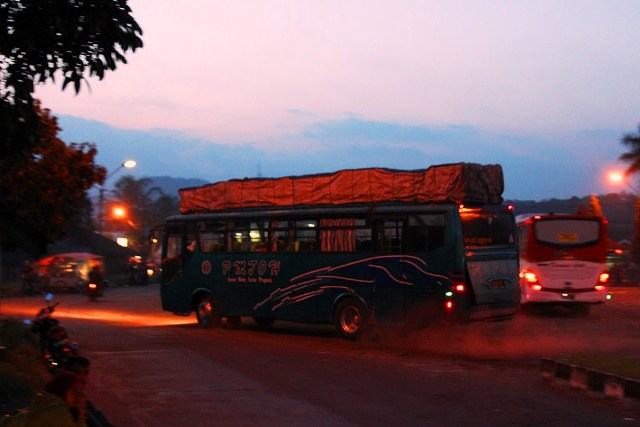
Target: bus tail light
<point x="529" y="276"/>
<point x="459" y="287"/>
<point x="604" y="278"/>
<point x="448" y="305"/>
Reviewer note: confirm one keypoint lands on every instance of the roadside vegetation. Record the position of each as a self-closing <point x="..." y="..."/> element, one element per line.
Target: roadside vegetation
<point x="22" y="374"/>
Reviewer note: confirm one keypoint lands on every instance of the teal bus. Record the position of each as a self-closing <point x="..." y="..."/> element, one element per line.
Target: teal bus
<point x="352" y="266"/>
<point x="352" y="249"/>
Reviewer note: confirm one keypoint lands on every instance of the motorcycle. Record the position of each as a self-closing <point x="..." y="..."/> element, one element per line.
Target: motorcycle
<point x="94" y="290"/>
<point x="55" y="346"/>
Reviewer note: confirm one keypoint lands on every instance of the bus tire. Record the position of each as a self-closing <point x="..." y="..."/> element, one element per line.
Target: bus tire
<point x="207" y="312"/>
<point x="350" y="319"/>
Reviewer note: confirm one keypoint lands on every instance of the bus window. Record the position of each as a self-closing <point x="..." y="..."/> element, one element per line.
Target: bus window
<point x="568" y="232"/>
<point x="280" y="236"/>
<point x="212" y="236"/>
<point x="338" y="235"/>
<point x="259" y="236"/>
<point x="306" y="235"/>
<point x="364" y="242"/>
<point x="425" y="232"/>
<point x="389" y="235"/>
<point x="482" y="228"/>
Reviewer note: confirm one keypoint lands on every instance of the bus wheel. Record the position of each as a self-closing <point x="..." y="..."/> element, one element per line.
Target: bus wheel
<point x="350" y="319"/>
<point x="207" y="313"/>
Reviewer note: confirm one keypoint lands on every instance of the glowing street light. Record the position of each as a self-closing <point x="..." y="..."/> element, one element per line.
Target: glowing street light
<point x="126" y="164"/>
<point x="617" y="177"/>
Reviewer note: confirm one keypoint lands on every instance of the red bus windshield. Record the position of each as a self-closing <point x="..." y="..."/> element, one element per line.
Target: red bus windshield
<point x="557" y="237"/>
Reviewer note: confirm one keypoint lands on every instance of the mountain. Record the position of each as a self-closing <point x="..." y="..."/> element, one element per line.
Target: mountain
<point x="617" y="208"/>
<point x="170" y="185"/>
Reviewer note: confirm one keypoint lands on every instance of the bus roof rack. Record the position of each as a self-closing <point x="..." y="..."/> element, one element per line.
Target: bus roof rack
<point x="460" y="183"/>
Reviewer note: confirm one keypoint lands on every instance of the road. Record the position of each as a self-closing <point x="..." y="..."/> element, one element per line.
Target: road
<point x="150" y="368"/>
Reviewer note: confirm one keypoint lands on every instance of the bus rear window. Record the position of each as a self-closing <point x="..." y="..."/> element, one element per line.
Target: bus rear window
<point x="487" y="228"/>
<point x="567" y="232"/>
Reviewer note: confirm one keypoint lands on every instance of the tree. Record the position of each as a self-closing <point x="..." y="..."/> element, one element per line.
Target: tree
<point x="42" y="186"/>
<point x="147" y="205"/>
<point x="41" y="38"/>
<point x="42" y="193"/>
<point x="635" y="240"/>
<point x="632" y="142"/>
<point x="632" y="157"/>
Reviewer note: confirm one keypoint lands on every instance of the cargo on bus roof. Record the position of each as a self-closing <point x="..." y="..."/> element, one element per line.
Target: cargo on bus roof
<point x="460" y="183"/>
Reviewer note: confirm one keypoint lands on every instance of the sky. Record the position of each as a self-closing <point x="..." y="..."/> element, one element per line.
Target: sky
<point x="234" y="89"/>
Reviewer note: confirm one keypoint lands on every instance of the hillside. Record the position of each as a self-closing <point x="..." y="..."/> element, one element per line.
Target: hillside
<point x="618" y="208"/>
<point x="170" y="185"/>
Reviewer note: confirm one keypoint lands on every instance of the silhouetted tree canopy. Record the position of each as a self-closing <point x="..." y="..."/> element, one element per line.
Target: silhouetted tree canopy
<point x="42" y="193"/>
<point x="41" y="39"/>
<point x="632" y="157"/>
<point x="43" y="182"/>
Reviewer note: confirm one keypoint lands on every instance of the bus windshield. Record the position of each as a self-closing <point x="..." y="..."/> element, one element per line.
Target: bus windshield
<point x="481" y="227"/>
<point x="567" y="233"/>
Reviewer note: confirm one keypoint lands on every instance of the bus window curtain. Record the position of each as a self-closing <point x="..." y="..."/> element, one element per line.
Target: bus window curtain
<point x="338" y="235"/>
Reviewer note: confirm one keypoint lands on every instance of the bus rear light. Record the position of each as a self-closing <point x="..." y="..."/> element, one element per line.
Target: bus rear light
<point x="604" y="278"/>
<point x="448" y="305"/>
<point x="459" y="287"/>
<point x="536" y="287"/>
<point x="600" y="288"/>
<point x="529" y="276"/>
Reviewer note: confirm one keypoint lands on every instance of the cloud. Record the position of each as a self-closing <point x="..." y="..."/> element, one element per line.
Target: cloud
<point x="559" y="166"/>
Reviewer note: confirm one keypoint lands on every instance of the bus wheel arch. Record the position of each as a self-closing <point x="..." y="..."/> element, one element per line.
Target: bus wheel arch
<point x="350" y="318"/>
<point x="206" y="310"/>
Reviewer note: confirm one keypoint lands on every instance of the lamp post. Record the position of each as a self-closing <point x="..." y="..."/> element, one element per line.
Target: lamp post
<point x="617" y="177"/>
<point x="126" y="164"/>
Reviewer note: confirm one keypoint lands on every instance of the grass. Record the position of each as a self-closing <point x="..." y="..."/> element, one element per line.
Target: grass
<point x="620" y="366"/>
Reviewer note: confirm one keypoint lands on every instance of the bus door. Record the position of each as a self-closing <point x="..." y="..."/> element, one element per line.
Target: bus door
<point x="491" y="257"/>
<point x="174" y="255"/>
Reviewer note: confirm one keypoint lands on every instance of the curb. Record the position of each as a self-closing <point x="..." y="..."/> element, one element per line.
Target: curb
<point x="610" y="386"/>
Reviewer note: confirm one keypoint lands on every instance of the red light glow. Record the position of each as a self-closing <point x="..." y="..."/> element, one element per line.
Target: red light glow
<point x="604" y="278"/>
<point x="449" y="305"/>
<point x="536" y="287"/>
<point x="600" y="288"/>
<point x="529" y="276"/>
<point x="459" y="287"/>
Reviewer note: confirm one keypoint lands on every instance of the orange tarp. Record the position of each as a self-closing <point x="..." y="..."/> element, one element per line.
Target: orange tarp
<point x="468" y="183"/>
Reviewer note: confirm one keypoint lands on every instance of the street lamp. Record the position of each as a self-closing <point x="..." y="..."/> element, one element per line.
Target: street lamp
<point x="617" y="177"/>
<point x="126" y="164"/>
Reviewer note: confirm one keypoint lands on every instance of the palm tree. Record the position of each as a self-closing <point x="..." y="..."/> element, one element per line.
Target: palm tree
<point x="632" y="157"/>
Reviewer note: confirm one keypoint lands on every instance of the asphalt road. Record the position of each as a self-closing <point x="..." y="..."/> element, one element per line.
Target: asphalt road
<point x="150" y="368"/>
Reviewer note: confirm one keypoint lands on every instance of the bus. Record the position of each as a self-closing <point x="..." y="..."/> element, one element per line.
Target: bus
<point x="352" y="266"/>
<point x="563" y="260"/>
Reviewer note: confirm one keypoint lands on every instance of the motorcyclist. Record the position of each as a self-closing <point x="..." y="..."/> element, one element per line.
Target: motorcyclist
<point x="95" y="276"/>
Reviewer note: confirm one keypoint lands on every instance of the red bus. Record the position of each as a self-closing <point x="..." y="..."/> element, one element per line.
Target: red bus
<point x="563" y="260"/>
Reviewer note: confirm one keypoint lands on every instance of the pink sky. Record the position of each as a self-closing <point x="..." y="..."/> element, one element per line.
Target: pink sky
<point x="263" y="74"/>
